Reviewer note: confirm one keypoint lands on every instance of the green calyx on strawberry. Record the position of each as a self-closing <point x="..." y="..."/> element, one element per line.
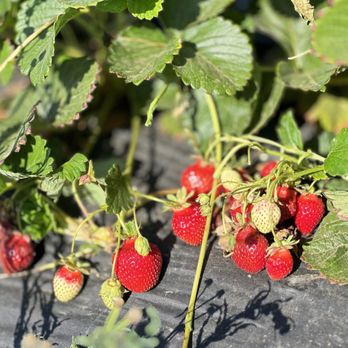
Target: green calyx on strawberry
<point x="279" y="262"/>
<point x="69" y="278"/>
<point x="265" y="215"/>
<point x="111" y="293"/>
<point x="188" y="220"/>
<point x="136" y="272"/>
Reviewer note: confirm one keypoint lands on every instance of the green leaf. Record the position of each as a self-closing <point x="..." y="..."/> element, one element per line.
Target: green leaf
<point x="329" y="37"/>
<point x="309" y="75"/>
<point x="327" y="252"/>
<point x="118" y="196"/>
<point x="35" y="59"/>
<point x="35" y="13"/>
<point x="331" y="112"/>
<point x="80" y="3"/>
<point x="324" y="142"/>
<point x="139" y="52"/>
<point x="336" y="163"/>
<point x="34" y="215"/>
<point x="74" y="168"/>
<point x="5" y="51"/>
<point x="52" y="185"/>
<point x="145" y="9"/>
<point x="112" y="6"/>
<point x="179" y="14"/>
<point x="306" y="72"/>
<point x="67" y="90"/>
<point x="215" y="56"/>
<point x="93" y="195"/>
<point x="13" y="130"/>
<point x="67" y="172"/>
<point x="288" y="132"/>
<point x="270" y="105"/>
<point x="339" y="202"/>
<point x="32" y="160"/>
<point x="153" y="105"/>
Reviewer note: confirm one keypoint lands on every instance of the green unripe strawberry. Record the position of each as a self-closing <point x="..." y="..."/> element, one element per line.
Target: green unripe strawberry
<point x="265" y="215"/>
<point x="230" y="179"/>
<point x="110" y="292"/>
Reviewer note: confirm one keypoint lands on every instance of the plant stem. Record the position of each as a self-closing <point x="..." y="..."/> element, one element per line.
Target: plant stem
<point x="307" y="172"/>
<point x="90" y="216"/>
<point x="135" y="129"/>
<point x="118" y="228"/>
<point x="202" y="253"/>
<point x="25" y="43"/>
<point x="80" y="203"/>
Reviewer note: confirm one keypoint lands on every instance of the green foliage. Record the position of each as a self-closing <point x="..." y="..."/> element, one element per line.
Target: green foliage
<point x="13" y="130"/>
<point x="306" y="71"/>
<point x="288" y="132"/>
<point x="116" y="333"/>
<point x="118" y="195"/>
<point x="215" y="56"/>
<point x="5" y="50"/>
<point x="339" y="203"/>
<point x="33" y="159"/>
<point x="67" y="91"/>
<point x="34" y="215"/>
<point x="331" y="31"/>
<point x="336" y="162"/>
<point x="145" y="9"/>
<point x="327" y="252"/>
<point x="181" y="13"/>
<point x="139" y="52"/>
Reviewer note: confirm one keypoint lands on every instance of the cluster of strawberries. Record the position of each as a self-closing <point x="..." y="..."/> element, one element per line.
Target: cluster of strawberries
<point x="256" y="231"/>
<point x="256" y="234"/>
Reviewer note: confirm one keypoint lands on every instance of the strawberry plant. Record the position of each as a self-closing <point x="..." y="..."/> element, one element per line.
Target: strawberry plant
<point x="257" y="88"/>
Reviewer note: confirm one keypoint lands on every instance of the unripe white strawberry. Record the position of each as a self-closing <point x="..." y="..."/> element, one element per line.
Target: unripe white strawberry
<point x="265" y="215"/>
<point x="230" y="179"/>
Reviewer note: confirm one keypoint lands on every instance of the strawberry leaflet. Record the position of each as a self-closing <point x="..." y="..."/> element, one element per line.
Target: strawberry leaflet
<point x="327" y="252"/>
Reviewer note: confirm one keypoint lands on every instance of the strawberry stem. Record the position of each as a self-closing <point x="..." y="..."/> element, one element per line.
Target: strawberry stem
<point x="118" y="228"/>
<point x="218" y="155"/>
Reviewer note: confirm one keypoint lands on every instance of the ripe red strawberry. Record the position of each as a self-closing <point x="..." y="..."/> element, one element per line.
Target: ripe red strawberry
<point x="67" y="283"/>
<point x="287" y="202"/>
<point x="188" y="224"/>
<point x="16" y="252"/>
<point x="279" y="264"/>
<point x="237" y="212"/>
<point x="310" y="211"/>
<point x="198" y="177"/>
<point x="249" y="252"/>
<point x="267" y="168"/>
<point x="136" y="272"/>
